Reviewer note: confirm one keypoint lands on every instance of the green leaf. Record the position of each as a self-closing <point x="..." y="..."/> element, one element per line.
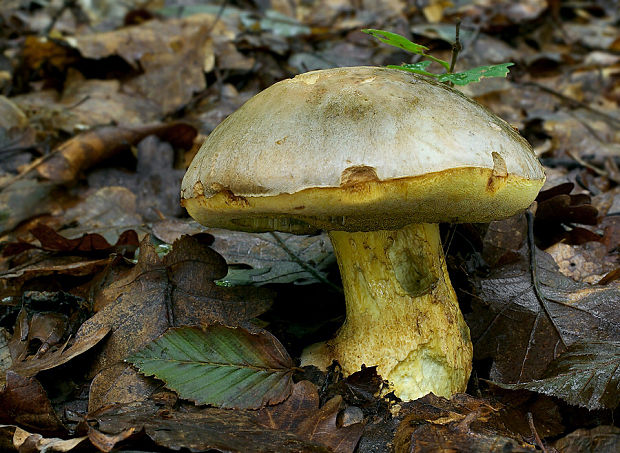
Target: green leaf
<point x="475" y="74"/>
<point x="228" y="367"/>
<point x="396" y="40"/>
<point x="416" y="68"/>
<point x="587" y="375"/>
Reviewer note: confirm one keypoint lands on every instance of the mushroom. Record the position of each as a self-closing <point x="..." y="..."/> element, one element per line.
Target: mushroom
<point x="377" y="157"/>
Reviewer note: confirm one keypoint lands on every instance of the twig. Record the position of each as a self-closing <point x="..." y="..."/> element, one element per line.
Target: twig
<point x="220" y="12"/>
<point x="574" y="102"/>
<point x="305" y="266"/>
<point x="585" y="164"/>
<point x="534" y="273"/>
<point x="456" y="47"/>
<point x="530" y="421"/>
<point x="67" y="4"/>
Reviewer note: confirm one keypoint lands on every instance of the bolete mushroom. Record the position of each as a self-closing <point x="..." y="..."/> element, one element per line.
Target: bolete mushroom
<point x="377" y="157"/>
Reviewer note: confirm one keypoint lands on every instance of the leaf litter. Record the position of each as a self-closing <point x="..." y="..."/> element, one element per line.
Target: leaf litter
<point x="72" y="84"/>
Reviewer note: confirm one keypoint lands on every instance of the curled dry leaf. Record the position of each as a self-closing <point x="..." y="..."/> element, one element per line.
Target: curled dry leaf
<point x="11" y="281"/>
<point x="59" y="356"/>
<point x="300" y="414"/>
<point x="463" y="423"/>
<point x="92" y="243"/>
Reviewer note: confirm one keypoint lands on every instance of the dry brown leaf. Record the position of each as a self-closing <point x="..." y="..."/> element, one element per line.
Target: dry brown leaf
<point x="119" y="384"/>
<point x="24" y="199"/>
<point x="109" y="211"/>
<point x="510" y="325"/>
<point x="23" y="401"/>
<point x="300" y="414"/>
<point x="93" y="243"/>
<point x="587" y="263"/>
<point x="157" y="294"/>
<point x="201" y="429"/>
<point x="107" y="443"/>
<point x="34" y="442"/>
<point x="462" y="423"/>
<point x="169" y="55"/>
<point x="602" y="439"/>
<point x="40" y="265"/>
<point x="156" y="183"/>
<point x="59" y="356"/>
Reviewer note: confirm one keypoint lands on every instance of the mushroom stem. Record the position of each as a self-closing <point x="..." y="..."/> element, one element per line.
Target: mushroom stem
<point x="402" y="313"/>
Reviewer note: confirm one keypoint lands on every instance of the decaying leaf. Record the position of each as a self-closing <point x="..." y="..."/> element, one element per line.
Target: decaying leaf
<point x="202" y="429"/>
<point x="23" y="402"/>
<point x="22" y="200"/>
<point x="44" y="266"/>
<point x="602" y="439"/>
<point x="300" y="414"/>
<point x="587" y="374"/>
<point x="462" y="423"/>
<point x="110" y="211"/>
<point x="59" y="356"/>
<point x="221" y="366"/>
<point x="92" y="243"/>
<point x="155" y="182"/>
<point x="274" y="258"/>
<point x="510" y="325"/>
<point x="22" y="440"/>
<point x="141" y="304"/>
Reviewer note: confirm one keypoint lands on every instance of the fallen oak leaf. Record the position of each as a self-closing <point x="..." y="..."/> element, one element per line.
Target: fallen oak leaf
<point x="231" y="368"/>
<point x="156" y="294"/>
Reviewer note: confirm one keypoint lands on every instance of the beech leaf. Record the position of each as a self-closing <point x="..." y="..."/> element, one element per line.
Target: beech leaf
<point x="587" y="375"/>
<point x="228" y="367"/>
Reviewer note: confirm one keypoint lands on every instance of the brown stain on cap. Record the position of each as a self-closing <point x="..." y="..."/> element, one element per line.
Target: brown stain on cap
<point x="499" y="174"/>
<point x="358" y="174"/>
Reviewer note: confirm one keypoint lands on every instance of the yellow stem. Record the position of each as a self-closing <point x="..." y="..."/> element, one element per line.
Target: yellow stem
<point x="402" y="313"/>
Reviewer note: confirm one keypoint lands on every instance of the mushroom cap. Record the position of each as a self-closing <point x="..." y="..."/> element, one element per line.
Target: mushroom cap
<point x="359" y="149"/>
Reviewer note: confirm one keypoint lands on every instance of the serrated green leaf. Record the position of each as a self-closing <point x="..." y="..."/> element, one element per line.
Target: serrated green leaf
<point x="416" y="68"/>
<point x="587" y="375"/>
<point x="475" y="74"/>
<point x="228" y="367"/>
<point x="396" y="40"/>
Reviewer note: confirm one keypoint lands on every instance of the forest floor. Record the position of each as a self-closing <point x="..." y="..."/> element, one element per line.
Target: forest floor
<point x="102" y="107"/>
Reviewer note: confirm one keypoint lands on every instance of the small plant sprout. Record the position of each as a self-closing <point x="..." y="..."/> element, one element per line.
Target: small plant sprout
<point x="456" y="78"/>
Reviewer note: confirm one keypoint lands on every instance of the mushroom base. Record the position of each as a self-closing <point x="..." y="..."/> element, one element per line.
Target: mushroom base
<point x="402" y="314"/>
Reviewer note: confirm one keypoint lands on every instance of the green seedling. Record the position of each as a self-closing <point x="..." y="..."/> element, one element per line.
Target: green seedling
<point x="421" y="67"/>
